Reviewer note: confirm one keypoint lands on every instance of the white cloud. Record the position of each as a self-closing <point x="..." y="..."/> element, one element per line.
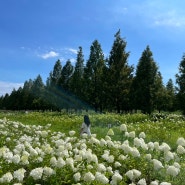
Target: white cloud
<point x="150" y="14"/>
<point x="73" y="50"/>
<point x="170" y="19"/>
<point x="7" y="87"/>
<point x="50" y="54"/>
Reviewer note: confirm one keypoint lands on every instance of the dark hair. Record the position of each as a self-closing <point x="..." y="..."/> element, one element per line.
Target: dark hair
<point x="87" y="120"/>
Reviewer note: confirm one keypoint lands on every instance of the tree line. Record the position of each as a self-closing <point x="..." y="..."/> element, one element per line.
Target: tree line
<point x="102" y="84"/>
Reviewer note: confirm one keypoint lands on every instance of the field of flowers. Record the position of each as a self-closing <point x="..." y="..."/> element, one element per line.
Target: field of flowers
<point x="46" y="149"/>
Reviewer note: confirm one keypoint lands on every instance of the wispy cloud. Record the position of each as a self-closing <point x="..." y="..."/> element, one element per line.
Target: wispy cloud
<point x="150" y="14"/>
<point x="74" y="51"/>
<point x="50" y="54"/>
<point x="170" y="19"/>
<point x="7" y="87"/>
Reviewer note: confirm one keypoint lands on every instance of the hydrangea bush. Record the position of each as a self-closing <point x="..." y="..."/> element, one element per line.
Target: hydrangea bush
<point x="33" y="155"/>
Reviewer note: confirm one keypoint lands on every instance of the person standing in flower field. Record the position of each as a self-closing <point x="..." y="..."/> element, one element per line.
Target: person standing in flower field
<point x="86" y="125"/>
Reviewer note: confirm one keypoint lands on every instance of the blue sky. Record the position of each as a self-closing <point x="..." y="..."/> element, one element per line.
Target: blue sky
<point x="35" y="33"/>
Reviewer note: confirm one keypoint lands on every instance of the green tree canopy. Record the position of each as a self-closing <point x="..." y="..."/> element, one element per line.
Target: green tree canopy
<point x="93" y="73"/>
<point x="119" y="74"/>
<point x="144" y="82"/>
<point x="180" y="79"/>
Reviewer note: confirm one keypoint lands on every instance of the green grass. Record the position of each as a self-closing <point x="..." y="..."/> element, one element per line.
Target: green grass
<point x="50" y="143"/>
<point x="161" y="127"/>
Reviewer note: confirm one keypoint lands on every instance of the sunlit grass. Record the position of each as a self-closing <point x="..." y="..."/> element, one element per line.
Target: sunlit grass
<point x="46" y="148"/>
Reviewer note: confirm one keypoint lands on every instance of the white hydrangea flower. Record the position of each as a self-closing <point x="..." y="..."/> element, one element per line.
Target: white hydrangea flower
<point x="117" y="164"/>
<point x="24" y="159"/>
<point x="110" y="144"/>
<point x="181" y="141"/>
<point x="173" y="171"/>
<point x="105" y="156"/>
<point x="33" y="152"/>
<point x="70" y="162"/>
<point x="72" y="133"/>
<point x="68" y="146"/>
<point x="94" y="158"/>
<point x="89" y="167"/>
<point x="83" y="146"/>
<point x="36" y="173"/>
<point x="101" y="167"/>
<point x="132" y="134"/>
<point x="126" y="148"/>
<point x="156" y="145"/>
<point x="109" y="169"/>
<point x="142" y="182"/>
<point x="123" y="128"/>
<point x="180" y="149"/>
<point x="84" y="135"/>
<point x="8" y="156"/>
<point x="16" y="159"/>
<point x="110" y="132"/>
<point x="154" y="182"/>
<point x="116" y="178"/>
<point x="142" y="135"/>
<point x="59" y="163"/>
<point x="107" y="138"/>
<point x="47" y="171"/>
<point x="130" y="175"/>
<point x="101" y="178"/>
<point x="77" y="158"/>
<point x="77" y="176"/>
<point x="88" y="177"/>
<point x="151" y="146"/>
<point x="53" y="161"/>
<point x="177" y="165"/>
<point x="137" y="142"/>
<point x="165" y="183"/>
<point x="6" y="178"/>
<point x="135" y="152"/>
<point x="19" y="174"/>
<point x="44" y="133"/>
<point x="164" y="147"/>
<point x="110" y="159"/>
<point x="93" y="140"/>
<point x="157" y="164"/>
<point x="122" y="157"/>
<point x="168" y="156"/>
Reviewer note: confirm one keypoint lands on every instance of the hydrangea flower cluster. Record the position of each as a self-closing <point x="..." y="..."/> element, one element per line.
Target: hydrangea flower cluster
<point x="35" y="155"/>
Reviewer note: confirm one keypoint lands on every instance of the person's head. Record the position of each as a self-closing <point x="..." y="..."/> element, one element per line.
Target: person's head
<point x="87" y="120"/>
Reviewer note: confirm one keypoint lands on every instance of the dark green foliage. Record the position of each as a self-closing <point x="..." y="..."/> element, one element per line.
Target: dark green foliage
<point x="144" y="92"/>
<point x="180" y="79"/>
<point x="55" y="75"/>
<point x="170" y="96"/>
<point x="66" y="73"/>
<point x="76" y="81"/>
<point x="93" y="76"/>
<point x="119" y="75"/>
<point x="104" y="84"/>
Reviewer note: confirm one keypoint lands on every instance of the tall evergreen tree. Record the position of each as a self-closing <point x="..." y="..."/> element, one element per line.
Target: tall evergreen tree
<point x="93" y="74"/>
<point x="76" y="82"/>
<point x="119" y="75"/>
<point x="27" y="96"/>
<point x="55" y="75"/>
<point x="144" y="82"/>
<point x="38" y="86"/>
<point x="159" y="92"/>
<point x="180" y="80"/>
<point x="38" y="90"/>
<point x="66" y="74"/>
<point x="170" y="91"/>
